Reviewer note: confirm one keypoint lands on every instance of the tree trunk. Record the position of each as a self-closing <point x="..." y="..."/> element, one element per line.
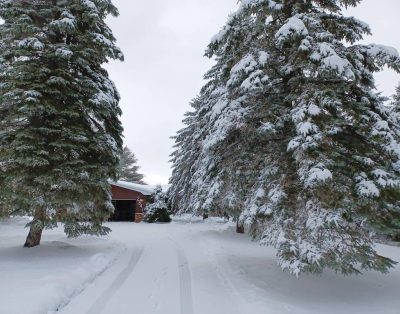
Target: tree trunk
<point x="239" y="228"/>
<point x="34" y="236"/>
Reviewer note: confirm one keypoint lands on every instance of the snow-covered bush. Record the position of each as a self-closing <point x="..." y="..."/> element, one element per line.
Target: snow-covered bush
<point x="158" y="211"/>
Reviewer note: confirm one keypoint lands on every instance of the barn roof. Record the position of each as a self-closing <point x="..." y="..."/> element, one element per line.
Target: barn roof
<point x="141" y="188"/>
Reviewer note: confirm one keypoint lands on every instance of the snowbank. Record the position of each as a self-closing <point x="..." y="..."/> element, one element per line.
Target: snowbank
<point x="41" y="279"/>
<point x="258" y="280"/>
<point x="188" y="218"/>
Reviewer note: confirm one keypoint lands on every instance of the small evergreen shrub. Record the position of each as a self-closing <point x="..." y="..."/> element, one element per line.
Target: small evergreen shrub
<point x="158" y="211"/>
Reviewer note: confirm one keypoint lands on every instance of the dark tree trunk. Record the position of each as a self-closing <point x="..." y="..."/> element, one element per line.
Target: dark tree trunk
<point x="239" y="228"/>
<point x="34" y="236"/>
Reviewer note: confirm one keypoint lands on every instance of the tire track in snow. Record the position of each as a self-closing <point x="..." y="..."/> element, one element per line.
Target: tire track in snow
<point x="101" y="302"/>
<point x="185" y="281"/>
<point x="237" y="297"/>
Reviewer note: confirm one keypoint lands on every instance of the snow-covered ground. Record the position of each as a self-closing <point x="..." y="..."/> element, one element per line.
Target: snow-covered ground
<point x="178" y="268"/>
<point x="42" y="279"/>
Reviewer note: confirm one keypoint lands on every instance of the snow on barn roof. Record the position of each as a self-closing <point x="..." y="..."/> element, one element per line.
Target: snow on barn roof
<point x="141" y="188"/>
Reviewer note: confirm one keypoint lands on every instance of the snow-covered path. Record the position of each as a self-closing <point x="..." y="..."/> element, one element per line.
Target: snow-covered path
<point x="166" y="269"/>
<point x="208" y="269"/>
<point x="178" y="268"/>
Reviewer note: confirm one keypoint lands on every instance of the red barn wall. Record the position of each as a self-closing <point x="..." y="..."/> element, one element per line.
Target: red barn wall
<point x="119" y="193"/>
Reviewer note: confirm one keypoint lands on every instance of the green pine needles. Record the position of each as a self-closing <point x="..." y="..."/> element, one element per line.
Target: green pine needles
<point x="290" y="134"/>
<point x="128" y="170"/>
<point x="60" y="134"/>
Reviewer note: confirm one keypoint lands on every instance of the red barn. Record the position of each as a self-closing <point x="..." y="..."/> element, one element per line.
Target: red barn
<point x="129" y="200"/>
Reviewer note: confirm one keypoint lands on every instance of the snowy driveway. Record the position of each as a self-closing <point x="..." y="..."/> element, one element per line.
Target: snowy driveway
<point x="176" y="269"/>
<point x="208" y="269"/>
<point x="167" y="269"/>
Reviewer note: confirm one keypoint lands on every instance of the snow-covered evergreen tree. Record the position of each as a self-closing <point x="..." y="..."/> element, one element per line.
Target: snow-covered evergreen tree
<point x="396" y="98"/>
<point x="199" y="173"/>
<point x="128" y="168"/>
<point x="60" y="134"/>
<point x="391" y="228"/>
<point x="185" y="158"/>
<point x="294" y="136"/>
<point x="158" y="210"/>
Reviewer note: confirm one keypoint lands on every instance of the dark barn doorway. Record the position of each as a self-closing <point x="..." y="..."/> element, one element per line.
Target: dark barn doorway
<point x="124" y="211"/>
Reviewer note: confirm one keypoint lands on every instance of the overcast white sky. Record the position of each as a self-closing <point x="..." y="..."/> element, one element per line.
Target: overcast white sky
<point x="164" y="42"/>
